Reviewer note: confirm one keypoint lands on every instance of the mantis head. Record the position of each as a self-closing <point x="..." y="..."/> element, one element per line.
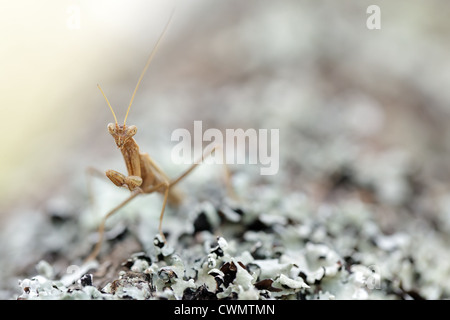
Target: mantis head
<point x="120" y="133"/>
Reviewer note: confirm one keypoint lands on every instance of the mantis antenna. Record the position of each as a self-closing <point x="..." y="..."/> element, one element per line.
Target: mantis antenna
<point x="98" y="86"/>
<point x="155" y="48"/>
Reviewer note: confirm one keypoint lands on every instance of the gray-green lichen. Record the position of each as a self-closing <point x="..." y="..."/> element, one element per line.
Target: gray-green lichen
<point x="337" y="253"/>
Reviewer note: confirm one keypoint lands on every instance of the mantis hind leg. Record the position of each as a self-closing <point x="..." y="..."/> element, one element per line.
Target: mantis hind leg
<point x="166" y="197"/>
<point x="169" y="185"/>
<point x="206" y="154"/>
<point x="101" y="228"/>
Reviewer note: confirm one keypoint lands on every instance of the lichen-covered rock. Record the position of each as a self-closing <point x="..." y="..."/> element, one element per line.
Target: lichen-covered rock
<point x="312" y="257"/>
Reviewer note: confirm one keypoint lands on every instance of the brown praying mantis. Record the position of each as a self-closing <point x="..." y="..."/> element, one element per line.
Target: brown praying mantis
<point x="144" y="176"/>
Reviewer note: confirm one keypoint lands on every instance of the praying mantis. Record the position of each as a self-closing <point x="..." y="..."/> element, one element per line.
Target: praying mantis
<point x="144" y="176"/>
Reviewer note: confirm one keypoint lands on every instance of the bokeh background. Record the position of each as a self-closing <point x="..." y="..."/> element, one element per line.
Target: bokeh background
<point x="367" y="106"/>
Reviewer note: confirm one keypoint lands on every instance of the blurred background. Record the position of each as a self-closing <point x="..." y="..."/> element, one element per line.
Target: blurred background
<point x="294" y="65"/>
<point x="364" y="107"/>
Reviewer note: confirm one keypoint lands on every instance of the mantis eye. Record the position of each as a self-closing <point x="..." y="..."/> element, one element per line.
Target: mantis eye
<point x="111" y="128"/>
<point x="131" y="131"/>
